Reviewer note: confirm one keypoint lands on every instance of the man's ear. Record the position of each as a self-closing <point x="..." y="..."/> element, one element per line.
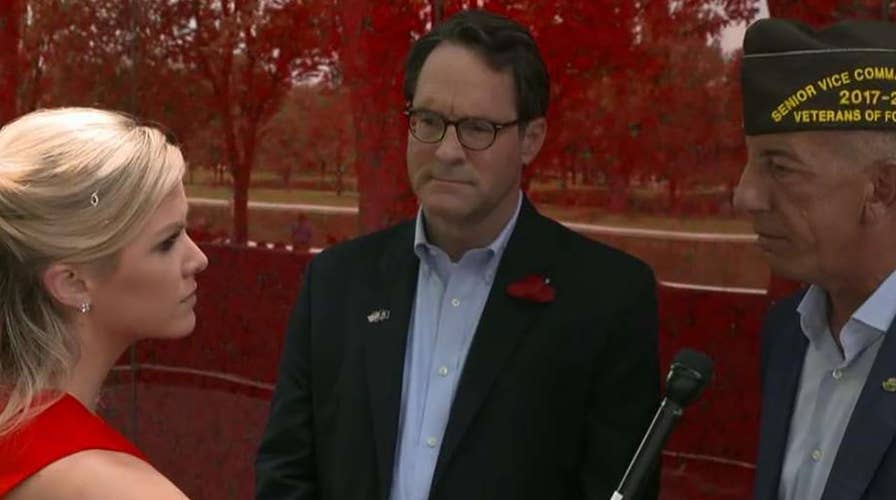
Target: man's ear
<point x="880" y="196"/>
<point x="533" y="139"/>
<point x="66" y="284"/>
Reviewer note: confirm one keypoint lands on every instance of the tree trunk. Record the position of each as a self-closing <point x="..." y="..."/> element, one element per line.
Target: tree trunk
<point x="619" y="186"/>
<point x="674" y="199"/>
<point x="10" y="19"/>
<point x="438" y="11"/>
<point x="781" y="8"/>
<point x="372" y="56"/>
<point x="241" y="176"/>
<point x="322" y="183"/>
<point x="385" y="197"/>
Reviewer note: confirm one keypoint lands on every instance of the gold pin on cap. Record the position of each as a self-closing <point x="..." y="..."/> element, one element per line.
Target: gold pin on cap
<point x="889" y="385"/>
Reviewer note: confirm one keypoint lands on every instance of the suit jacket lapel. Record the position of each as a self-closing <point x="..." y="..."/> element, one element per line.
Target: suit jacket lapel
<point x="870" y="431"/>
<point x="384" y="342"/>
<point x="785" y="365"/>
<point x="504" y="320"/>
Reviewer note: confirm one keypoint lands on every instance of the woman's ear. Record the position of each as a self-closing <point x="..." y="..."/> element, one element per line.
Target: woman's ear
<point x="65" y="283"/>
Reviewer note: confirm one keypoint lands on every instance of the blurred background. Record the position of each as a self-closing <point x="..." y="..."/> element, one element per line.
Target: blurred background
<point x="289" y="113"/>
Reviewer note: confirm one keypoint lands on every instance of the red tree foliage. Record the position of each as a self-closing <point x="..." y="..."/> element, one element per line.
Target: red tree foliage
<point x="375" y="36"/>
<point x="250" y="54"/>
<point x="821" y="12"/>
<point x="638" y="90"/>
<point x="10" y="19"/>
<point x="644" y="100"/>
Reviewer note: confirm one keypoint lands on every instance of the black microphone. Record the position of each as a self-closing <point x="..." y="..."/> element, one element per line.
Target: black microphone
<point x="689" y="373"/>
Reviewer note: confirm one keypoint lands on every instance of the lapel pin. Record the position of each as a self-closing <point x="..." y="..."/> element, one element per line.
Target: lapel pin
<point x="383" y="315"/>
<point x="889" y="385"/>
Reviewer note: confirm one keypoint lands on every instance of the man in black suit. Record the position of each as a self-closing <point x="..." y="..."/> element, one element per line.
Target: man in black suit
<point x="820" y="186"/>
<point x="481" y="351"/>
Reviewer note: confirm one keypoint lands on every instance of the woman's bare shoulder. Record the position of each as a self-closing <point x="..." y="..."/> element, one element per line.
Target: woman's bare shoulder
<point x="97" y="475"/>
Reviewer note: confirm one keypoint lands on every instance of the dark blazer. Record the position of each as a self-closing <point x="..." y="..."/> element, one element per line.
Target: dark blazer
<point x="865" y="465"/>
<point x="553" y="398"/>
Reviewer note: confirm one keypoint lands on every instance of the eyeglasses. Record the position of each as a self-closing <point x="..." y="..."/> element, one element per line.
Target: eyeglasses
<point x="473" y="133"/>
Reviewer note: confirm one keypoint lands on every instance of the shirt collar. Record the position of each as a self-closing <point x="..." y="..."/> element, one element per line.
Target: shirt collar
<point x="813" y="311"/>
<point x="422" y="245"/>
<point x="878" y="310"/>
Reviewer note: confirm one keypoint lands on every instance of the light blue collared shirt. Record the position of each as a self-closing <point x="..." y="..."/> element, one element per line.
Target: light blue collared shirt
<point x="830" y="385"/>
<point x="449" y="301"/>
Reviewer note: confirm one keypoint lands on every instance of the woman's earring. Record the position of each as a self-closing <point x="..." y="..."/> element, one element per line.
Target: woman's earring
<point x="84" y="308"/>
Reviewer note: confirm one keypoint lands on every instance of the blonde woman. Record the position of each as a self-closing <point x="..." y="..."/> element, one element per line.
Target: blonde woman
<point x="93" y="257"/>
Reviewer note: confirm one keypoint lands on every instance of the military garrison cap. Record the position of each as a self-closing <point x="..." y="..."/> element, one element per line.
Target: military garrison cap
<point x="842" y="77"/>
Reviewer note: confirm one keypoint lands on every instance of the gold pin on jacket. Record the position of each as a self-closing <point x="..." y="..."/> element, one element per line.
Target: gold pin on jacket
<point x="889" y="385"/>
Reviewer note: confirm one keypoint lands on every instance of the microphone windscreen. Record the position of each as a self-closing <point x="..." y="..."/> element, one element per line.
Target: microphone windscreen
<point x="689" y="373"/>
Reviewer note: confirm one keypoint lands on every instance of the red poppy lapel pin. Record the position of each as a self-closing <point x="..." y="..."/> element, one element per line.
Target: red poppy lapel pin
<point x="533" y="288"/>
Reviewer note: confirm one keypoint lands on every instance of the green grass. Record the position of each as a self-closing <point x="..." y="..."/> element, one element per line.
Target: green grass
<point x="590" y="215"/>
<point x="700" y="224"/>
<point x="202" y="176"/>
<point x="347" y="199"/>
<point x="203" y="187"/>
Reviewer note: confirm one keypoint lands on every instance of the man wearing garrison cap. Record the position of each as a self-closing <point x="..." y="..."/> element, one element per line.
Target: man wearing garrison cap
<point x="820" y="187"/>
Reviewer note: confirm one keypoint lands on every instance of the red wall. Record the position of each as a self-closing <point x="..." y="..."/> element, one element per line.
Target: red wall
<point x="197" y="406"/>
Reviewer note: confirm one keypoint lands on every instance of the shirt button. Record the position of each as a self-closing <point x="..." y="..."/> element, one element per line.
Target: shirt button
<point x="443" y="371"/>
<point x="837" y="374"/>
<point x="431" y="442"/>
<point x="816" y="455"/>
<point x="455" y="302"/>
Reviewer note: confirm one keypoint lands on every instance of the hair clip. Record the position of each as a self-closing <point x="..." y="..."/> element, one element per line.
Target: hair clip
<point x="94" y="199"/>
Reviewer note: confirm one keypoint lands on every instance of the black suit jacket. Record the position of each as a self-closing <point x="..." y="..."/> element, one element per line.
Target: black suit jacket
<point x="865" y="465"/>
<point x="553" y="398"/>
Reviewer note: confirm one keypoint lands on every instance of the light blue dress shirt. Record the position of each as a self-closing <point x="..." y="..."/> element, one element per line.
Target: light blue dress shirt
<point x="830" y="385"/>
<point x="449" y="301"/>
